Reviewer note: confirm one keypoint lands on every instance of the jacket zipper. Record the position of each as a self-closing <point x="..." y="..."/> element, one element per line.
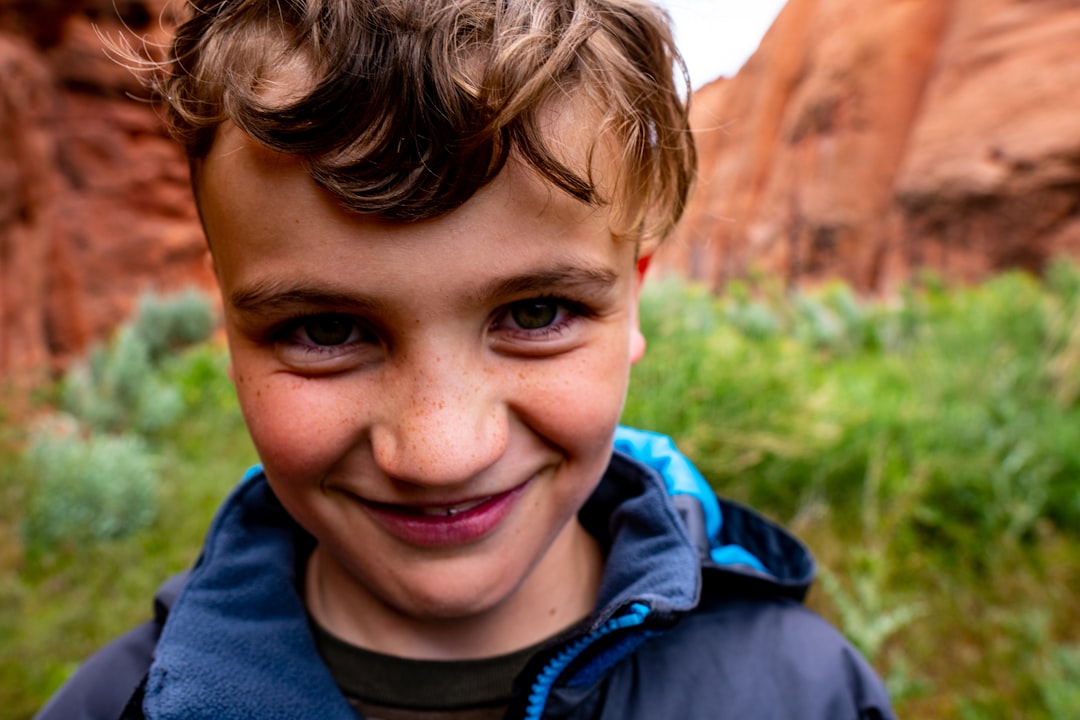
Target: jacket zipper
<point x="545" y="681"/>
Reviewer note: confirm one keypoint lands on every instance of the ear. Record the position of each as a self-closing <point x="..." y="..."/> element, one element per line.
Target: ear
<point x="637" y="339"/>
<point x="208" y="261"/>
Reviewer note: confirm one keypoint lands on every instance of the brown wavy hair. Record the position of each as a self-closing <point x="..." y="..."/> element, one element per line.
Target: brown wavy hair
<point x="405" y="108"/>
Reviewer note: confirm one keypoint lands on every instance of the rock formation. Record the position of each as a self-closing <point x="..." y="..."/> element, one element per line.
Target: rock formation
<point x="869" y="138"/>
<point x="865" y="139"/>
<point x="94" y="203"/>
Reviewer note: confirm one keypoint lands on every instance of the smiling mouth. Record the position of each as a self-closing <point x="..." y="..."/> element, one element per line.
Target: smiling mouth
<point x="446" y="525"/>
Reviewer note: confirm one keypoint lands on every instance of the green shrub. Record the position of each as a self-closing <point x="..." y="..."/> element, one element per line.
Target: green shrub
<point x="172" y="322"/>
<point x="785" y="398"/>
<point x="96" y="480"/>
<point x="119" y="388"/>
<point x="83" y="491"/>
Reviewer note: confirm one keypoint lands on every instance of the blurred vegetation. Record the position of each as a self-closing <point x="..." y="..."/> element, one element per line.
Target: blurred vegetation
<point x="108" y="490"/>
<point x="927" y="448"/>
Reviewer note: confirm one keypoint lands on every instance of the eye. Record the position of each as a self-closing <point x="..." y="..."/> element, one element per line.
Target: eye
<point x="542" y="324"/>
<point x="329" y="330"/>
<point x="535" y="313"/>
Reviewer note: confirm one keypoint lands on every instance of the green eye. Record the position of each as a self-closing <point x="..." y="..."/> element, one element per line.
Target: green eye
<point x="534" y="314"/>
<point x="328" y="330"/>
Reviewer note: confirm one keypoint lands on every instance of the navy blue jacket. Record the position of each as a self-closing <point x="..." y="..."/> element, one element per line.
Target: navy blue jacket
<point x="699" y="616"/>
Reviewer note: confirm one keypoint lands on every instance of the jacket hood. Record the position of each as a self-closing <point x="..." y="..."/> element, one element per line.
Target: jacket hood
<point x="729" y="537"/>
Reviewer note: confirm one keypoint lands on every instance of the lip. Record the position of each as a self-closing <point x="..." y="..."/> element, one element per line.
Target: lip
<point x="412" y="526"/>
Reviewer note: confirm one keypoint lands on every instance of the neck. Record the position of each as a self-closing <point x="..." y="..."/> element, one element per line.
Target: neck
<point x="559" y="592"/>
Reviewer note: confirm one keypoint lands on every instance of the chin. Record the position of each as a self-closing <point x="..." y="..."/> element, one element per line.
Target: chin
<point x="453" y="599"/>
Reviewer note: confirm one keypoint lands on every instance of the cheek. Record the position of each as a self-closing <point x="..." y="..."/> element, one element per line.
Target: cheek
<point x="578" y="403"/>
<point x="295" y="434"/>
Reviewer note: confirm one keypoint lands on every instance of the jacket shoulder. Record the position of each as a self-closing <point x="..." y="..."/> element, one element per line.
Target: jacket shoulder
<point x="104" y="682"/>
<point x="762" y="657"/>
<point x="102" y="685"/>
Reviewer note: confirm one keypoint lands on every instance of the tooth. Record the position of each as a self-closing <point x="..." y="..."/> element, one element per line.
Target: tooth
<point x="470" y="505"/>
<point x="452" y="510"/>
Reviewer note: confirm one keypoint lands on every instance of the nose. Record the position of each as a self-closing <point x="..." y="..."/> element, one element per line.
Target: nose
<point x="442" y="422"/>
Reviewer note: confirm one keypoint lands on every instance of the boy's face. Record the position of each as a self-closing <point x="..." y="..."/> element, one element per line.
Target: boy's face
<point x="432" y="401"/>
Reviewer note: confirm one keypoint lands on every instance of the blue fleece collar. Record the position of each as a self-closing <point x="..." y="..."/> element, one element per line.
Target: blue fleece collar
<point x="213" y="660"/>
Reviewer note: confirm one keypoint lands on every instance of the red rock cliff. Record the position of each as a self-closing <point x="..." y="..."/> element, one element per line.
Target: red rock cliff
<point x="94" y="203"/>
<point x="868" y="138"/>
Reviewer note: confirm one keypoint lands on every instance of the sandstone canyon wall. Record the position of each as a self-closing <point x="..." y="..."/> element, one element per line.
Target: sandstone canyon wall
<point x="868" y="138"/>
<point x="94" y="202"/>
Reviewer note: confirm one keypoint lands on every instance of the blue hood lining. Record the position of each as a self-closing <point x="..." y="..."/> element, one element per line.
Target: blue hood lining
<point x="659" y="453"/>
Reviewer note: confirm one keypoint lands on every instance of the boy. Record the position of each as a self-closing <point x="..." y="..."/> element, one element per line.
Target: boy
<point x="429" y="221"/>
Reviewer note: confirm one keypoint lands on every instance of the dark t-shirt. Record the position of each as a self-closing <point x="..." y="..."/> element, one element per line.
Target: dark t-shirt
<point x="386" y="687"/>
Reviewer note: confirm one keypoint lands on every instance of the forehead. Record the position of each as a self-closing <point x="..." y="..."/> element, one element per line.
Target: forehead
<point x="239" y="171"/>
<point x="266" y="220"/>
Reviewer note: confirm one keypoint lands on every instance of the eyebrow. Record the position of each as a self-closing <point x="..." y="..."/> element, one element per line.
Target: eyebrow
<point x="551" y="279"/>
<point x="269" y="296"/>
<point x="276" y="295"/>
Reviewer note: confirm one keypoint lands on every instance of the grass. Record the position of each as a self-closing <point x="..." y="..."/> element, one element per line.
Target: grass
<point x="925" y="447"/>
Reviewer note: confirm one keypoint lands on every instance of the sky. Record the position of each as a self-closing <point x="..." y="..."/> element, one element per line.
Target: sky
<point x="717" y="36"/>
